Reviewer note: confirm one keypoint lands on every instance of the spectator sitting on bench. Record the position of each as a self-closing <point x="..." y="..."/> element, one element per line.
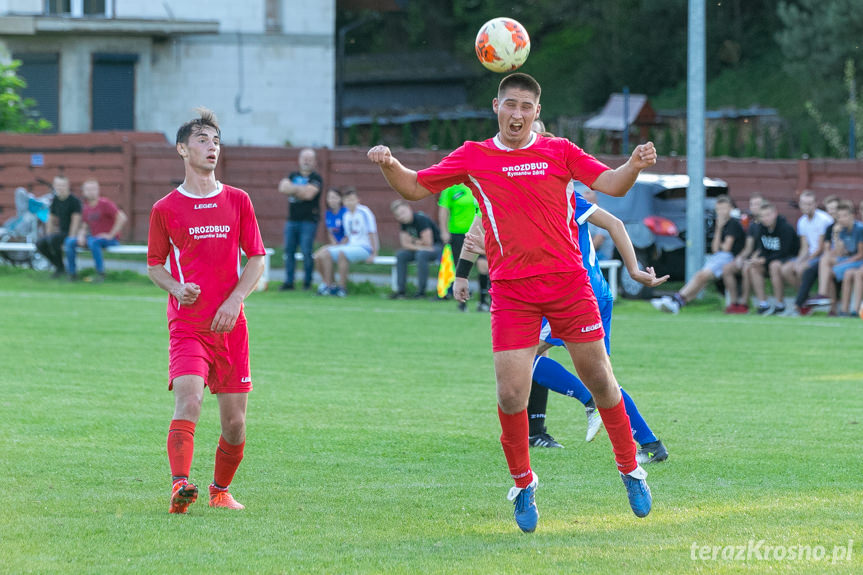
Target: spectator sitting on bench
<point x="420" y="240"/>
<point x="844" y="256"/>
<point x="361" y="231"/>
<point x="62" y="226"/>
<point x="101" y="222"/>
<point x="739" y="300"/>
<point x="776" y="244"/>
<point x="726" y="244"/>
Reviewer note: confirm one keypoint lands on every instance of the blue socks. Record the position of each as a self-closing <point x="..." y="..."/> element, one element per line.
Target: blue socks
<point x="641" y="432"/>
<point x="550" y="374"/>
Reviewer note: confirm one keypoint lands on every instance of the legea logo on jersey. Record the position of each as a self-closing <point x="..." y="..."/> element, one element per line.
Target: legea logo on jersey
<point x="526" y="169"/>
<point x="205" y="206"/>
<point x="206" y="232"/>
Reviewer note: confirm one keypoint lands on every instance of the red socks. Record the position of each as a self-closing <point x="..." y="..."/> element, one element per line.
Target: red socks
<point x="228" y="458"/>
<point x="617" y="426"/>
<point x="181" y="446"/>
<point x="514" y="439"/>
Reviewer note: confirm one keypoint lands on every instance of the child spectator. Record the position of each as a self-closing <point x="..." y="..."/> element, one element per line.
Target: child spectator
<point x="334" y="220"/>
<point x="361" y="232"/>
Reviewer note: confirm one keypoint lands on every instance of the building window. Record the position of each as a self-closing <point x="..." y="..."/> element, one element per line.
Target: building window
<point x="42" y="74"/>
<point x="94" y="7"/>
<point x="58" y="6"/>
<point x="273" y="16"/>
<point x="113" y="95"/>
<point x="77" y="8"/>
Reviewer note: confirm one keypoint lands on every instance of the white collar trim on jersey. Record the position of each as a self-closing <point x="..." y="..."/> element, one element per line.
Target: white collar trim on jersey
<point x="214" y="193"/>
<point x="501" y="145"/>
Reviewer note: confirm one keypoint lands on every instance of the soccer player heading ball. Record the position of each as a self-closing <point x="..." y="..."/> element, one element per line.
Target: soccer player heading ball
<point x="201" y="226"/>
<point x="520" y="180"/>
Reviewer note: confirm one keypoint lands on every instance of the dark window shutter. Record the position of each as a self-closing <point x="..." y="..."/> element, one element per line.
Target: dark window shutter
<point x="113" y="95"/>
<point x="42" y="74"/>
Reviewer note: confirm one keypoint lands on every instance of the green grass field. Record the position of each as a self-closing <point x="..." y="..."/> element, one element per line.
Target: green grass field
<point x="373" y="443"/>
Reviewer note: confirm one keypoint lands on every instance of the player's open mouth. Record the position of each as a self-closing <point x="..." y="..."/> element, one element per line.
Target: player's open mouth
<point x="516" y="127"/>
<point x="212" y="157"/>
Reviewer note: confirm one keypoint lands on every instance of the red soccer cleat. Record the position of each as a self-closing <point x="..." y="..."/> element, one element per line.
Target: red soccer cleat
<point x="222" y="499"/>
<point x="183" y="494"/>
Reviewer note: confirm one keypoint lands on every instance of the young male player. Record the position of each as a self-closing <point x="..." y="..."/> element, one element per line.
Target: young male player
<point x="520" y="181"/>
<point x="201" y="227"/>
<point x="549" y="374"/>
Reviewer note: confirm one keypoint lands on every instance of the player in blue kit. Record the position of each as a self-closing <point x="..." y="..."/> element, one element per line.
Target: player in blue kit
<point x="550" y="374"/>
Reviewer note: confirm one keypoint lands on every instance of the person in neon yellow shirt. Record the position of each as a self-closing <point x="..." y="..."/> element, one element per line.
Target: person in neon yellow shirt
<point x="456" y="211"/>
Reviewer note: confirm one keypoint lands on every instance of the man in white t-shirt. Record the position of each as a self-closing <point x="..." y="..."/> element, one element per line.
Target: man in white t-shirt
<point x="359" y="244"/>
<point x="810" y="229"/>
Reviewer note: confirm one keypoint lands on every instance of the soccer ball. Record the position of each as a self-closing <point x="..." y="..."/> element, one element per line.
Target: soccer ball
<point x="502" y="45"/>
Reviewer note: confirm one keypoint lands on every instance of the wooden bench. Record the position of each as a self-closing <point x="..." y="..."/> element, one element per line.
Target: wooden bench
<point x="133" y="249"/>
<point x="611" y="267"/>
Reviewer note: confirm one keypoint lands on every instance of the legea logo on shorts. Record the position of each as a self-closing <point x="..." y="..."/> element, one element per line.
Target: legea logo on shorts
<point x="246" y="380"/>
<point x="590" y="328"/>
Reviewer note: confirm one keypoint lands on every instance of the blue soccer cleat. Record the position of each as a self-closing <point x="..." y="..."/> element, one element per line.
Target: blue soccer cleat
<point x="640" y="499"/>
<point x="526" y="513"/>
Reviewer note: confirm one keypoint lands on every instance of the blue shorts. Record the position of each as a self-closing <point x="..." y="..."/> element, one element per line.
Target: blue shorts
<point x="605" y="309"/>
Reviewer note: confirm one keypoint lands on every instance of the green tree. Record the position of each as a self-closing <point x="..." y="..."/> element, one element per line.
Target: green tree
<point x="448" y="136"/>
<point x="407" y="135"/>
<point x="375" y="133"/>
<point x="16" y="112"/>
<point x="751" y="149"/>
<point x="817" y="40"/>
<point x="720" y="147"/>
<point x="353" y="135"/>
<point x="434" y="133"/>
<point x="733" y="134"/>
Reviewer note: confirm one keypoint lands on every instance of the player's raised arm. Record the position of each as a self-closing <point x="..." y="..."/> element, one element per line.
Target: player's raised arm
<point x="621" y="240"/>
<point x="400" y="178"/>
<point x="618" y="181"/>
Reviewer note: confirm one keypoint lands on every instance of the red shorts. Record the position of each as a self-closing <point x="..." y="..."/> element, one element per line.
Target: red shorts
<point x="222" y="359"/>
<point x="565" y="299"/>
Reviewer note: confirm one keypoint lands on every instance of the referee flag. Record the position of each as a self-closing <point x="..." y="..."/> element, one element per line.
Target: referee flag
<point x="446" y="272"/>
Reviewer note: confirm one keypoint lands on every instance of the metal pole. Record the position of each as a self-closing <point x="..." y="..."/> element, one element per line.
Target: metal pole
<point x="340" y="82"/>
<point x="695" y="96"/>
<point x="626" y="120"/>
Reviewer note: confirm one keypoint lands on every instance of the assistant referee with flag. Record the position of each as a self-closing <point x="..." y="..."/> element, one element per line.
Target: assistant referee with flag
<point x="456" y="211"/>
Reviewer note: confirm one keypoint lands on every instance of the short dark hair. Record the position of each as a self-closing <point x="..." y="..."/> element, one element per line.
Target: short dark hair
<point x="206" y="119"/>
<point x="522" y="81"/>
<point x="846" y="205"/>
<point x="724" y="199"/>
<point x="349" y="191"/>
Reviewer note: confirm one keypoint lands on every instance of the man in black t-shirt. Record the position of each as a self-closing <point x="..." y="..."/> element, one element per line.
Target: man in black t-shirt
<point x="420" y="240"/>
<point x="303" y="189"/>
<point x="62" y="226"/>
<point x="726" y="244"/>
<point x="776" y="243"/>
<point x="738" y="302"/>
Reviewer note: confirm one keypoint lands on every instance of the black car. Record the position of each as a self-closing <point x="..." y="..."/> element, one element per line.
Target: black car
<point x="654" y="213"/>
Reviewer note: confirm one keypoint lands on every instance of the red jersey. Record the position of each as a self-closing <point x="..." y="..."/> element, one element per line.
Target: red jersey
<point x="202" y="236"/>
<point x="527" y="210"/>
<point x="99" y="218"/>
